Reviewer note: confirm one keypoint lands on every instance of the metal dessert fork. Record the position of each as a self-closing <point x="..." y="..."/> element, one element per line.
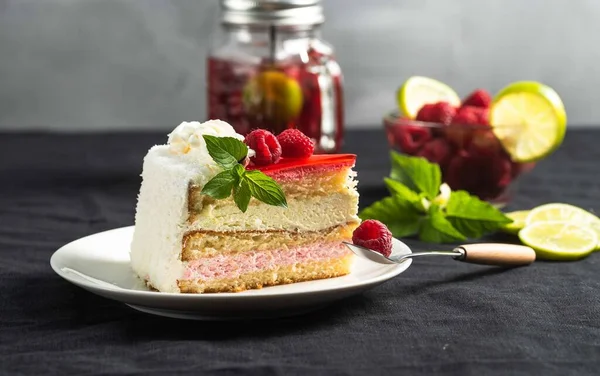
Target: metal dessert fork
<point x="482" y="253"/>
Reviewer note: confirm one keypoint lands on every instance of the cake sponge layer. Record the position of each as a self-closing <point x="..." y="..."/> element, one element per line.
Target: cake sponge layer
<point x="303" y="214"/>
<point x="277" y="276"/>
<point x="210" y="243"/>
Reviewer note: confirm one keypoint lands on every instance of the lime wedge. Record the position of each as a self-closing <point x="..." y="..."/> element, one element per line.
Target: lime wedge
<point x="559" y="240"/>
<point x="529" y="119"/>
<point x="518" y="222"/>
<point x="565" y="213"/>
<point x="418" y="91"/>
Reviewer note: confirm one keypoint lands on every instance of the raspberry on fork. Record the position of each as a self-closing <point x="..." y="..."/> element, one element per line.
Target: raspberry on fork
<point x="374" y="235"/>
<point x="265" y="145"/>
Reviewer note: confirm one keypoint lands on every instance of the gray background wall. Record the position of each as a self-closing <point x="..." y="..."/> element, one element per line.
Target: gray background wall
<point x="131" y="64"/>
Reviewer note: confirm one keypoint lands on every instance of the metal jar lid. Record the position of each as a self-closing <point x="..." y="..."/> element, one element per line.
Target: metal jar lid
<point x="272" y="12"/>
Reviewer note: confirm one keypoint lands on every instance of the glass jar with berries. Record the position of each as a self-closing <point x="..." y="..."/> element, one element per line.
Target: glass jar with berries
<point x="270" y="69"/>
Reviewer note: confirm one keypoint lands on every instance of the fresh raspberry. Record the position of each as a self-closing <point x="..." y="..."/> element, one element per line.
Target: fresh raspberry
<point x="441" y="112"/>
<point x="436" y="151"/>
<point x="409" y="138"/>
<point x="374" y="235"/>
<point x="295" y="144"/>
<point x="484" y="142"/>
<point x="478" y="98"/>
<point x="459" y="135"/>
<point x="470" y="115"/>
<point x="483" y="176"/>
<point x="265" y="145"/>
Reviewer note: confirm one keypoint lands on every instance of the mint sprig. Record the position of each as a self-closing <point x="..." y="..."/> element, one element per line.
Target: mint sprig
<point x="220" y="186"/>
<point x="473" y="217"/>
<point x="234" y="180"/>
<point x="417" y="207"/>
<point x="226" y="151"/>
<point x="417" y="174"/>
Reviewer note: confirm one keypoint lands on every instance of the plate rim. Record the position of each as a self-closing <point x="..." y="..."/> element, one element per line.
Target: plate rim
<point x="394" y="270"/>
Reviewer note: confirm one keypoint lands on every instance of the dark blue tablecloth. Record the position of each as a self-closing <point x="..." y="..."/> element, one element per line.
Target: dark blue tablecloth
<point x="439" y="317"/>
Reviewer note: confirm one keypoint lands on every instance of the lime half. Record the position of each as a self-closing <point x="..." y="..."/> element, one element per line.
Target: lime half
<point x="558" y="240"/>
<point x="565" y="213"/>
<point x="529" y="119"/>
<point x="418" y="91"/>
<point x="518" y="222"/>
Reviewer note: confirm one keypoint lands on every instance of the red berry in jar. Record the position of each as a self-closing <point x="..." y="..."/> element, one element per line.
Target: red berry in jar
<point x="470" y="115"/>
<point x="409" y="138"/>
<point x="478" y="98"/>
<point x="483" y="176"/>
<point x="437" y="151"/>
<point x="441" y="112"/>
<point x="484" y="142"/>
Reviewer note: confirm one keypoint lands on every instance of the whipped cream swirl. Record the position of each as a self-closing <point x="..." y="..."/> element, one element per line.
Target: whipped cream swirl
<point x="186" y="138"/>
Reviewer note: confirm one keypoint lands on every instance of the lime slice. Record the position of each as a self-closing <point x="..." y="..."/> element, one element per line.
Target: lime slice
<point x="518" y="222"/>
<point x="559" y="240"/>
<point x="418" y="91"/>
<point x="529" y="119"/>
<point x="274" y="97"/>
<point x="565" y="213"/>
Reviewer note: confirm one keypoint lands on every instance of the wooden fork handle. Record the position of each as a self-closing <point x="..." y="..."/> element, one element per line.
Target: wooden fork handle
<point x="497" y="254"/>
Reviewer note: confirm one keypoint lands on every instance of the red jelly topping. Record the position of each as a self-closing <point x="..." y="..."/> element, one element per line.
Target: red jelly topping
<point x="342" y="160"/>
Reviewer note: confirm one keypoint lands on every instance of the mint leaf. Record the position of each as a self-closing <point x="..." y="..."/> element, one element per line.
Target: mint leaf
<point x="220" y="186"/>
<point x="241" y="192"/>
<point x="401" y="218"/>
<point x="226" y="151"/>
<point x="405" y="194"/>
<point x="437" y="229"/>
<point x="238" y="172"/>
<point x="242" y="195"/>
<point x="417" y="174"/>
<point x="398" y="189"/>
<point x="264" y="188"/>
<point x="473" y="217"/>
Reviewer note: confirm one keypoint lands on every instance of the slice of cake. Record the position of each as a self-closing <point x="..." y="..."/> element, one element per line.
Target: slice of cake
<point x="208" y="223"/>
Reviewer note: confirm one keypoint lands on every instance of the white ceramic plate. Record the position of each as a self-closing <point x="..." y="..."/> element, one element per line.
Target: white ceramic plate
<point x="100" y="263"/>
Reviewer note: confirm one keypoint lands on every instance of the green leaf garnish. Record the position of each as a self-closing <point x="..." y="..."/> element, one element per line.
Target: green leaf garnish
<point x="220" y="186"/>
<point x="242" y="195"/>
<point x="399" y="215"/>
<point x="226" y="151"/>
<point x="473" y="217"/>
<point x="234" y="180"/>
<point x="437" y="229"/>
<point x="416" y="173"/>
<point x="265" y="189"/>
<point x="402" y="192"/>
<point x="416" y="205"/>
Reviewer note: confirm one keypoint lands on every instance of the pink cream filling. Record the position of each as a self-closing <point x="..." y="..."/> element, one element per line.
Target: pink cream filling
<point x="232" y="266"/>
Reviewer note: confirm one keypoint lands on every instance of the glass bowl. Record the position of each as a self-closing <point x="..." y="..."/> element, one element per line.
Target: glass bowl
<point x="470" y="156"/>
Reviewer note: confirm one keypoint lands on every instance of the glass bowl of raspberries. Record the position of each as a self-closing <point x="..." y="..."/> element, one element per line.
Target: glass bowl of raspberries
<point x="461" y="141"/>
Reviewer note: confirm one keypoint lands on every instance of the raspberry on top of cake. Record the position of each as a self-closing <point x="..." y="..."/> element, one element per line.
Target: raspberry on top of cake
<point x="207" y="222"/>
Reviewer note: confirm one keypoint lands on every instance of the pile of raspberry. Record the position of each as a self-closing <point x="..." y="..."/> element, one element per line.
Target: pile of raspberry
<point x="469" y="154"/>
<point x="269" y="149"/>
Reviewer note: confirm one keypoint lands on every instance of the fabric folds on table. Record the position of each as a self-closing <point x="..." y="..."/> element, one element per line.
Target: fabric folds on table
<point x="439" y="317"/>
